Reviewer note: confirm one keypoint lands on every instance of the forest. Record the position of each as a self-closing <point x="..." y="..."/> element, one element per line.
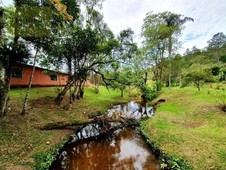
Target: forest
<point x="72" y="37"/>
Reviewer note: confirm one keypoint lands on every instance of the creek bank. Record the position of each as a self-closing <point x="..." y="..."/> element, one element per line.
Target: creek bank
<point x="187" y="124"/>
<point x="167" y="162"/>
<point x="119" y="146"/>
<point x="116" y="115"/>
<point x="124" y="148"/>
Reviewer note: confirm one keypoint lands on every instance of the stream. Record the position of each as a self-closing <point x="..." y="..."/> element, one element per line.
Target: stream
<point x="123" y="149"/>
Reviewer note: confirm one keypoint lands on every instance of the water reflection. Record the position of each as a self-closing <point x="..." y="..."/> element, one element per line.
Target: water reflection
<point x="125" y="149"/>
<point x="122" y="149"/>
<point x="131" y="110"/>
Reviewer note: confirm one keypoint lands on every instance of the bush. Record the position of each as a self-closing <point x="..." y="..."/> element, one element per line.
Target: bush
<point x="44" y="160"/>
<point x="148" y="93"/>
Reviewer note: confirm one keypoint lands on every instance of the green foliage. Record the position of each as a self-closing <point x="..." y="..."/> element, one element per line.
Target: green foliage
<point x="72" y="8"/>
<point x="198" y="78"/>
<point x="174" y="163"/>
<point x="124" y="78"/>
<point x="148" y="93"/>
<point x="44" y="159"/>
<point x="127" y="48"/>
<point x="223" y="59"/>
<point x="106" y="48"/>
<point x="217" y="41"/>
<point x="2" y="10"/>
<point x="222" y="99"/>
<point x="11" y="55"/>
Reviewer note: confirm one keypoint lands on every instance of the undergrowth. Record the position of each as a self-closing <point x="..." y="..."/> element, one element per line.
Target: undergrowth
<point x="44" y="160"/>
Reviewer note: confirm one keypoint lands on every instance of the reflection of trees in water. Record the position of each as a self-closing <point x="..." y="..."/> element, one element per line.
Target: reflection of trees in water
<point x="132" y="110"/>
<point x="104" y="152"/>
<point x="96" y="154"/>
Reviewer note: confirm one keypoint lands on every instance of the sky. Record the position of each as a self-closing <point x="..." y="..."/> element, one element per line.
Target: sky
<point x="209" y="16"/>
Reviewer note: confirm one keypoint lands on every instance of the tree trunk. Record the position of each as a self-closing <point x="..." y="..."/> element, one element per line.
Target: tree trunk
<point x="70" y="125"/>
<point x="158" y="85"/>
<point x="145" y="77"/>
<point x="75" y="90"/>
<point x="61" y="95"/>
<point x="170" y="65"/>
<point x="24" y="111"/>
<point x="122" y="93"/>
<point x="70" y="91"/>
<point x="4" y="90"/>
<point x="80" y="92"/>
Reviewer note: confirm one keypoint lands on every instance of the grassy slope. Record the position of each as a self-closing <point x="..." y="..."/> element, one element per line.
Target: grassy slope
<point x="190" y="125"/>
<point x="19" y="137"/>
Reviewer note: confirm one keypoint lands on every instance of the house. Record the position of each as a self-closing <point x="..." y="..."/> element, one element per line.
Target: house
<point x="42" y="77"/>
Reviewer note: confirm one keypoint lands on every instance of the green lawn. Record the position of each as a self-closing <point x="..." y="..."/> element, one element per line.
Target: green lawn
<point x="190" y="125"/>
<point x="20" y="138"/>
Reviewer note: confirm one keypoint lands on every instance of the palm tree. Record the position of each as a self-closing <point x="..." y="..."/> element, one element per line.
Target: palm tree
<point x="174" y="23"/>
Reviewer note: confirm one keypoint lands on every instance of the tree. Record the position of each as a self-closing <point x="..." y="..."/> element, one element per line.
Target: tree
<point x="10" y="56"/>
<point x="187" y="52"/>
<point x="195" y="51"/>
<point x="215" y="43"/>
<point x="22" y="31"/>
<point x="155" y="45"/>
<point x="2" y="10"/>
<point x="76" y="51"/>
<point x="24" y="110"/>
<point x="198" y="78"/>
<point x="177" y="63"/>
<point x="124" y="79"/>
<point x="42" y="42"/>
<point x="174" y="24"/>
<point x="128" y="48"/>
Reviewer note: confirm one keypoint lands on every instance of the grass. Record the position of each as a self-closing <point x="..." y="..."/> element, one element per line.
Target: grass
<point x="20" y="139"/>
<point x="190" y="125"/>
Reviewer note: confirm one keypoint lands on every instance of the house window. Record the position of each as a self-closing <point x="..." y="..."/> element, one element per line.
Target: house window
<point x="53" y="77"/>
<point x="17" y="72"/>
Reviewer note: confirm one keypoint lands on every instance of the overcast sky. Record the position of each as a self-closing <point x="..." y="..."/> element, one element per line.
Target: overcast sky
<point x="209" y="16"/>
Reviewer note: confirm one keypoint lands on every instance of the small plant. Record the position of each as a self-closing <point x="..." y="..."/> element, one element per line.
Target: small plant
<point x="173" y="163"/>
<point x="44" y="159"/>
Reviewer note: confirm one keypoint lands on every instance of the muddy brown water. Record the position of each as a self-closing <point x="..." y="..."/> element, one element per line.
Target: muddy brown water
<point x="124" y="149"/>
